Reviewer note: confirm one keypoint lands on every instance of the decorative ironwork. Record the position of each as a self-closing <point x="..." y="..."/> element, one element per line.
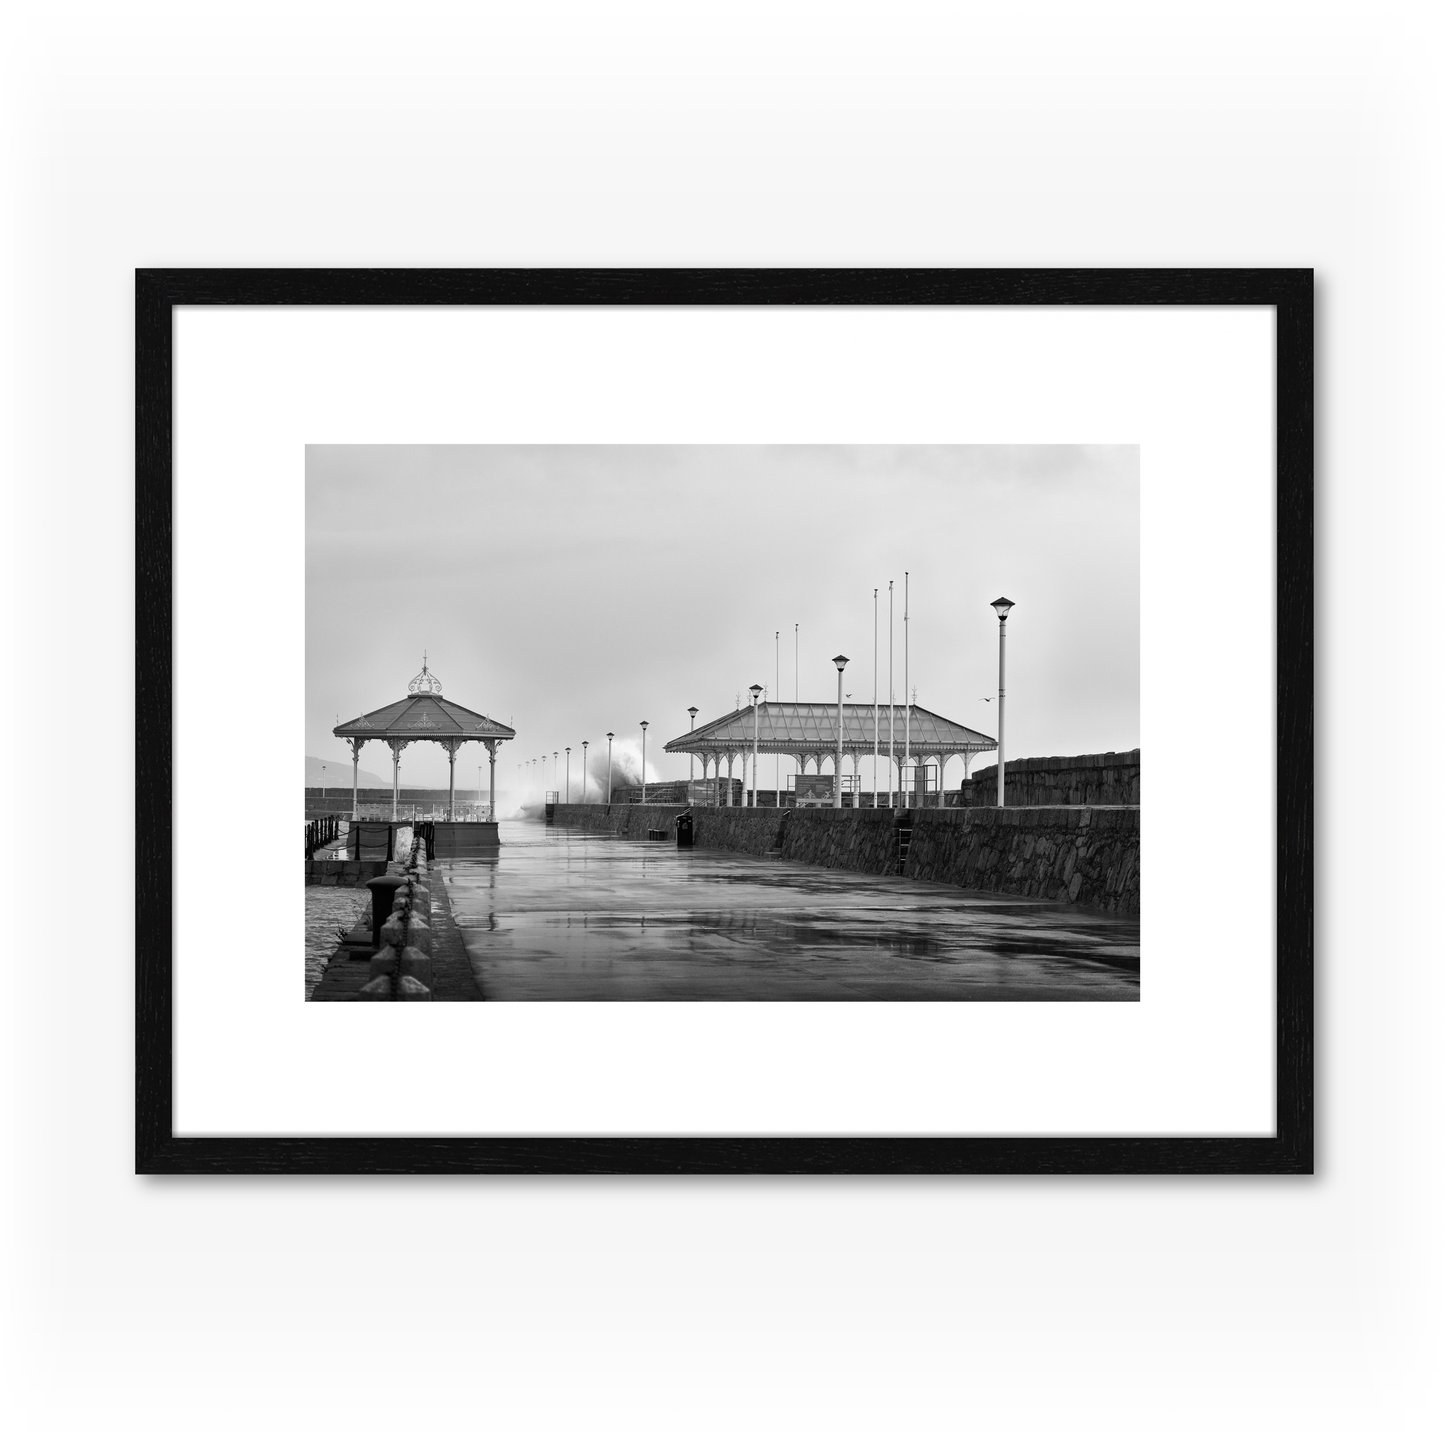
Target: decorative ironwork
<point x="425" y="683"/>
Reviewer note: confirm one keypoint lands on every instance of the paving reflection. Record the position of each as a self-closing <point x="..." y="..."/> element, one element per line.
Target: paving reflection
<point x="566" y="915"/>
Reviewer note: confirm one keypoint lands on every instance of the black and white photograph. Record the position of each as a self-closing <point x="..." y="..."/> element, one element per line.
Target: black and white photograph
<point x="704" y="511"/>
<point x="722" y="723"/>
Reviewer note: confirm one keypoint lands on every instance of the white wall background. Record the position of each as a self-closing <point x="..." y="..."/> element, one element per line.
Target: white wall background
<point x="173" y="1310"/>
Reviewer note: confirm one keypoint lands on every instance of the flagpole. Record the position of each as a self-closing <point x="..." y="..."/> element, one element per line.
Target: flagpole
<point x="875" y="697"/>
<point x="890" y="695"/>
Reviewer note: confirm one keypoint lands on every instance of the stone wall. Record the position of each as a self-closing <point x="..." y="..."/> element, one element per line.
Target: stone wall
<point x="1087" y="856"/>
<point x="343" y="872"/>
<point x="1090" y="780"/>
<point x="337" y="799"/>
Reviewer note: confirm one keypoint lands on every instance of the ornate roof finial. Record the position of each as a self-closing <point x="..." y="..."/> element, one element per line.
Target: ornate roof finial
<point x="426" y="683"/>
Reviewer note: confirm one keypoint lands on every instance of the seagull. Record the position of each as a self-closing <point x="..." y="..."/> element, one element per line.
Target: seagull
<point x="985" y="699"/>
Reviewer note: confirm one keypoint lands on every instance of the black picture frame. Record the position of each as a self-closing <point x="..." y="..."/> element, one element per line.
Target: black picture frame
<point x="1290" y="1150"/>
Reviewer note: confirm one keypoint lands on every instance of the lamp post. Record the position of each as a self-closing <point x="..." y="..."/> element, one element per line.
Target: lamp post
<point x="907" y="700"/>
<point x="1001" y="606"/>
<point x="555" y="756"/>
<point x="609" y="770"/>
<point x="756" y="690"/>
<point x="691" y="757"/>
<point x="567" y="784"/>
<point x="840" y="662"/>
<point x="584" y="770"/>
<point x="644" y="762"/>
<point x="323" y="787"/>
<point x="491" y="802"/>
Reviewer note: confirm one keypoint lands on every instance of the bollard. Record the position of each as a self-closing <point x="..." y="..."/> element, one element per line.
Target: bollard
<point x="380" y="985"/>
<point x="383" y="891"/>
<point x="415" y="981"/>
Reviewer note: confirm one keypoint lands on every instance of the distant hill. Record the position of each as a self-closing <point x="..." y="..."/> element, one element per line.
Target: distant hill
<point x="338" y="775"/>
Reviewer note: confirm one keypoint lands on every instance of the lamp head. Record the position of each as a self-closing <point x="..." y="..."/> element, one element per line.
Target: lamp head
<point x="609" y="737"/>
<point x="840" y="662"/>
<point x="1001" y="605"/>
<point x="757" y="691"/>
<point x="692" y="712"/>
<point x="644" y="727"/>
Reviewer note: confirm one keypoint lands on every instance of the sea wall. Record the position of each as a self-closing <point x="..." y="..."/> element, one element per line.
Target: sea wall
<point x="1086" y="856"/>
<point x="337" y="799"/>
<point x="1090" y="780"/>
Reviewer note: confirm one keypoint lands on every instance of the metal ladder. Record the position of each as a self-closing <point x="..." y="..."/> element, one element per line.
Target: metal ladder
<point x="905" y="838"/>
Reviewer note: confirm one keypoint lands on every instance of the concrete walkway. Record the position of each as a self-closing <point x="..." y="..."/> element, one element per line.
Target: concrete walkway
<point x="562" y="914"/>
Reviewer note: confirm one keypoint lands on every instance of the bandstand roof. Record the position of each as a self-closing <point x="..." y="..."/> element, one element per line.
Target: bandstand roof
<point x="811" y="727"/>
<point x="424" y="715"/>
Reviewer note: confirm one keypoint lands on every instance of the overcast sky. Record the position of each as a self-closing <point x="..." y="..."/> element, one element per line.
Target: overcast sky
<point x="569" y="590"/>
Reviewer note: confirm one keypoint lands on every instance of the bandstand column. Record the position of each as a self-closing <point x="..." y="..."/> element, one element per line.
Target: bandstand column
<point x="451" y="780"/>
<point x="396" y="748"/>
<point x="355" y="769"/>
<point x="492" y="784"/>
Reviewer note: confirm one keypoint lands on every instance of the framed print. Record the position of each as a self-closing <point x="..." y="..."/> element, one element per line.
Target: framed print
<point x="734" y="688"/>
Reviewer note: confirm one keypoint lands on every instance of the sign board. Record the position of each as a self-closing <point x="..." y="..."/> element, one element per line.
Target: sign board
<point x="813" y="790"/>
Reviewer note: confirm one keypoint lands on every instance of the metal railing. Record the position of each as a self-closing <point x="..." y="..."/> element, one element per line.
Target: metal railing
<point x="321" y="831"/>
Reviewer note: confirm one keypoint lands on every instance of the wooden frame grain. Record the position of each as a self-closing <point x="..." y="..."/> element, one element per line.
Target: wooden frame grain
<point x="1289" y="1151"/>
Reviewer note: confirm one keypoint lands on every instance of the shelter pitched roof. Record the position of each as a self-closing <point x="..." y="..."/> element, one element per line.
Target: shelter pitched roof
<point x="421" y="717"/>
<point x="809" y="727"/>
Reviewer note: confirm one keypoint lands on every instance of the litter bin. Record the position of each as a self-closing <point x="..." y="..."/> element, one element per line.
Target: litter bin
<point x="684" y="830"/>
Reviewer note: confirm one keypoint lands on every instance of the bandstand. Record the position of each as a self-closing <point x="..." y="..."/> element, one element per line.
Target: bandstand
<point x="425" y="716"/>
<point x="808" y="732"/>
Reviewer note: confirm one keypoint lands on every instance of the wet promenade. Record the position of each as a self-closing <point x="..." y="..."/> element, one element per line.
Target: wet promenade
<point x="562" y="914"/>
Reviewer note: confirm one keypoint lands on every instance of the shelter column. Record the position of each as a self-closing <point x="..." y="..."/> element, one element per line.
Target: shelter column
<point x="492" y="784"/>
<point x="355" y="768"/>
<point x="451" y="748"/>
<point x="396" y="747"/>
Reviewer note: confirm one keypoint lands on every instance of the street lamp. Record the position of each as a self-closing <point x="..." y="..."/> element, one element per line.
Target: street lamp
<point x="567" y="786"/>
<point x="584" y="770"/>
<point x="756" y="690"/>
<point x="691" y="757"/>
<point x="840" y="662"/>
<point x="609" y="770"/>
<point x="1001" y="606"/>
<point x="644" y="762"/>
